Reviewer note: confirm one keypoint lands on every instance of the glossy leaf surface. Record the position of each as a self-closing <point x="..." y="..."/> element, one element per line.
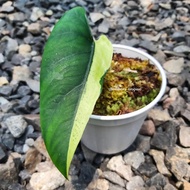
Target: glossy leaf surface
<point x="73" y="65"/>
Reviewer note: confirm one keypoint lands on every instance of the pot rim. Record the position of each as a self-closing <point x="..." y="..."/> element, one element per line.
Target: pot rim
<point x="151" y="104"/>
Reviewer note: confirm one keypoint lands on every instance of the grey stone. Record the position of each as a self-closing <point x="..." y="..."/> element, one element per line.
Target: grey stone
<point x="159" y="159"/>
<point x="12" y="45"/>
<point x="50" y="179"/>
<point x="86" y="172"/>
<point x="160" y="56"/>
<point x="16" y="59"/>
<point x="134" y="158"/>
<point x="20" y="32"/>
<point x="40" y="146"/>
<point x="177" y="106"/>
<point x="7" y="107"/>
<point x="182" y="10"/>
<point x="174" y="65"/>
<point x="34" y="104"/>
<point x="3" y="154"/>
<point x="154" y="188"/>
<point x="2" y="59"/>
<point x="161" y="140"/>
<point x="173" y="53"/>
<point x="8" y="140"/>
<point x="9" y="170"/>
<point x="15" y="186"/>
<point x="6" y="90"/>
<point x="29" y="142"/>
<point x="29" y="130"/>
<point x="25" y="148"/>
<point x="146" y="4"/>
<point x="174" y="93"/>
<point x="168" y="186"/>
<point x="24" y="50"/>
<point x="24" y="175"/>
<point x="2" y="22"/>
<point x="118" y="165"/>
<point x="175" y="79"/>
<point x="142" y="143"/>
<point x="115" y="187"/>
<point x="187" y="28"/>
<point x="114" y="178"/>
<point x="132" y="42"/>
<point x="157" y="180"/>
<point x="124" y="21"/>
<point x="165" y="5"/>
<point x="36" y="14"/>
<point x="7" y="185"/>
<point x="142" y="22"/>
<point x="34" y="66"/>
<point x="96" y="17"/>
<point x="178" y="36"/>
<point x="16" y="124"/>
<point x="147" y="169"/>
<point x="7" y="7"/>
<point x="184" y="136"/>
<point x="97" y="184"/>
<point x="34" y="28"/>
<point x="165" y="23"/>
<point x="159" y="116"/>
<point x="3" y="81"/>
<point x="34" y="122"/>
<point x="17" y="17"/>
<point x="104" y="26"/>
<point x="49" y="13"/>
<point x="136" y="182"/>
<point x="132" y="4"/>
<point x="18" y="148"/>
<point x="180" y="169"/>
<point x="99" y="158"/>
<point x="149" y="37"/>
<point x="20" y="73"/>
<point x="94" y="1"/>
<point x="177" y="159"/>
<point x="33" y="84"/>
<point x="81" y="3"/>
<point x="182" y="49"/>
<point x="23" y="90"/>
<point x="3" y="101"/>
<point x="185" y="90"/>
<point x="20" y="109"/>
<point x="32" y="161"/>
<point x="170" y="127"/>
<point x="116" y="7"/>
<point x="148" y="45"/>
<point x="186" y="114"/>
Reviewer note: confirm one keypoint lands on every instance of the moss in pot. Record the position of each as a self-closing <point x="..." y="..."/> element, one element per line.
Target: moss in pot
<point x="72" y="75"/>
<point x="129" y="84"/>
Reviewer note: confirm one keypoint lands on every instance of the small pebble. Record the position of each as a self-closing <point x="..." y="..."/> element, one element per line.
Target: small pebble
<point x="29" y="142"/>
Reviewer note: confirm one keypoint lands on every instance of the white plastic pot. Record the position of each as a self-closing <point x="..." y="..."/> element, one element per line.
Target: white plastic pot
<point x="113" y="134"/>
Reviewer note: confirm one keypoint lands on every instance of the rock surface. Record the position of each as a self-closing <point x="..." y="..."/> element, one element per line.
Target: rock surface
<point x="158" y="158"/>
<point x="16" y="125"/>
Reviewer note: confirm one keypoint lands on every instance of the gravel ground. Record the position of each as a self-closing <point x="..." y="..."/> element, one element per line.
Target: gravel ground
<point x="160" y="156"/>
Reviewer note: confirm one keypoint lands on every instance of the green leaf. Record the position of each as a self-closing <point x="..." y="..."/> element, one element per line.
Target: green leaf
<point x="73" y="65"/>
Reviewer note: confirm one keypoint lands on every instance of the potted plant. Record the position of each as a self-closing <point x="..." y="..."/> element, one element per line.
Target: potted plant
<point x="113" y="134"/>
<point x="71" y="79"/>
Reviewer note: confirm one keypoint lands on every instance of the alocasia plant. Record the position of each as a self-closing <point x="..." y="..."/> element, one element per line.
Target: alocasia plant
<point x="72" y="71"/>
